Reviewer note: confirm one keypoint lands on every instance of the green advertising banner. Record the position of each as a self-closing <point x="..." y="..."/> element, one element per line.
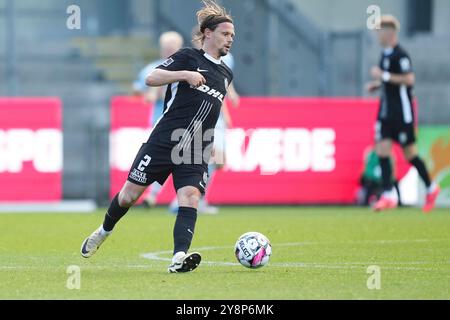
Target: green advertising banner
<point x="434" y="147"/>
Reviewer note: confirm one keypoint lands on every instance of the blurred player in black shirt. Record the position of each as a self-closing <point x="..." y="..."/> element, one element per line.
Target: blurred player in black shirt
<point x="396" y="119"/>
<point x="181" y="141"/>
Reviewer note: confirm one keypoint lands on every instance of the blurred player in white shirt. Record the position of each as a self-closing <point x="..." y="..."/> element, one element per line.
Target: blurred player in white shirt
<point x="169" y="43"/>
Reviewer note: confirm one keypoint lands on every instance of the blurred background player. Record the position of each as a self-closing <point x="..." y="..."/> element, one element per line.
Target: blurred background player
<point x="169" y="43"/>
<point x="225" y="121"/>
<point x="396" y="119"/>
<point x="371" y="183"/>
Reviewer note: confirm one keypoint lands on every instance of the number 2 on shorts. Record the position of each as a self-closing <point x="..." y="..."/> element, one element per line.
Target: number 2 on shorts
<point x="144" y="163"/>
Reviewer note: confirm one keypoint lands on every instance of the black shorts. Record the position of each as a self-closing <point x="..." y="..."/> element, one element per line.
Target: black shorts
<point x="153" y="163"/>
<point x="403" y="133"/>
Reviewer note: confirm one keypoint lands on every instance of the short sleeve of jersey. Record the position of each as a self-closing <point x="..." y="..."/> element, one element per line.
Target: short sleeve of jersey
<point x="177" y="62"/>
<point x="405" y="64"/>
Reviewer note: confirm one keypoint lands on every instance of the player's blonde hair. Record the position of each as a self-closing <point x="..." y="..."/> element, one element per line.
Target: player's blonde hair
<point x="389" y="21"/>
<point x="209" y="17"/>
<point x="170" y="37"/>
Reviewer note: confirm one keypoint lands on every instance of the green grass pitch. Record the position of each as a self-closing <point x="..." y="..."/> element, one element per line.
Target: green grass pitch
<point x="318" y="253"/>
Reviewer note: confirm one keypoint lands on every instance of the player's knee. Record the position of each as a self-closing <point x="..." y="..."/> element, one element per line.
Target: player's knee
<point x="410" y="153"/>
<point x="411" y="158"/>
<point x="383" y="150"/>
<point x="189" y="197"/>
<point x="127" y="198"/>
<point x="383" y="153"/>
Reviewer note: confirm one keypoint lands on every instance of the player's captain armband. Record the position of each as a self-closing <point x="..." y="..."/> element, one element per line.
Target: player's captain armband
<point x="405" y="64"/>
<point x="167" y="63"/>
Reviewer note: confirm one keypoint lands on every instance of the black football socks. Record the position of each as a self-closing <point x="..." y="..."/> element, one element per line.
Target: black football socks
<point x="183" y="230"/>
<point x="422" y="170"/>
<point x="386" y="173"/>
<point x="114" y="214"/>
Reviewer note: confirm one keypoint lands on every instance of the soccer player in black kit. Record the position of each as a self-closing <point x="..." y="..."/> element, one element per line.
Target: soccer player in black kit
<point x="181" y="141"/>
<point x="396" y="118"/>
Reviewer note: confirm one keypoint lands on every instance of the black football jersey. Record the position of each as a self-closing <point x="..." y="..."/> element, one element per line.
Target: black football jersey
<point x="396" y="102"/>
<point x="190" y="114"/>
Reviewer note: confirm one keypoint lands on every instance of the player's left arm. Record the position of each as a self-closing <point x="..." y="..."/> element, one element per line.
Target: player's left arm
<point x="408" y="79"/>
<point x="233" y="95"/>
<point x="226" y="115"/>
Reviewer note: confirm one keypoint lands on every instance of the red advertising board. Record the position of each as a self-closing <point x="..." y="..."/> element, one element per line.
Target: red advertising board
<point x="30" y="149"/>
<point x="279" y="150"/>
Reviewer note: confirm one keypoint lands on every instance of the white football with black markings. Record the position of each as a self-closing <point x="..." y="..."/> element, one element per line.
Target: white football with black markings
<point x="253" y="250"/>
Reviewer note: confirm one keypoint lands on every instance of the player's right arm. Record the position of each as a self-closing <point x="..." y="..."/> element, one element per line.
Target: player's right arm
<point x="160" y="77"/>
<point x="176" y="69"/>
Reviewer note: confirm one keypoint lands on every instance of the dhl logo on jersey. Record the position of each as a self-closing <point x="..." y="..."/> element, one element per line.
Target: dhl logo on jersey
<point x="210" y="91"/>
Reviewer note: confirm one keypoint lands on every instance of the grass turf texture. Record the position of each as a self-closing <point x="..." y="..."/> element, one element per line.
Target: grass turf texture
<point x="318" y="253"/>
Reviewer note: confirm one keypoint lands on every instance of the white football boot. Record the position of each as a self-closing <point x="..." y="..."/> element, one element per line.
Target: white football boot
<point x="182" y="262"/>
<point x="92" y="243"/>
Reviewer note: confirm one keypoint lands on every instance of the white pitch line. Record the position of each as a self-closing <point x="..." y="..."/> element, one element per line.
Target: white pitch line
<point x="213" y="263"/>
<point x="156" y="256"/>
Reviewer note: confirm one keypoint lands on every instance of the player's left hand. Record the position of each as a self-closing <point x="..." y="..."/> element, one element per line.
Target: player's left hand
<point x="373" y="86"/>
